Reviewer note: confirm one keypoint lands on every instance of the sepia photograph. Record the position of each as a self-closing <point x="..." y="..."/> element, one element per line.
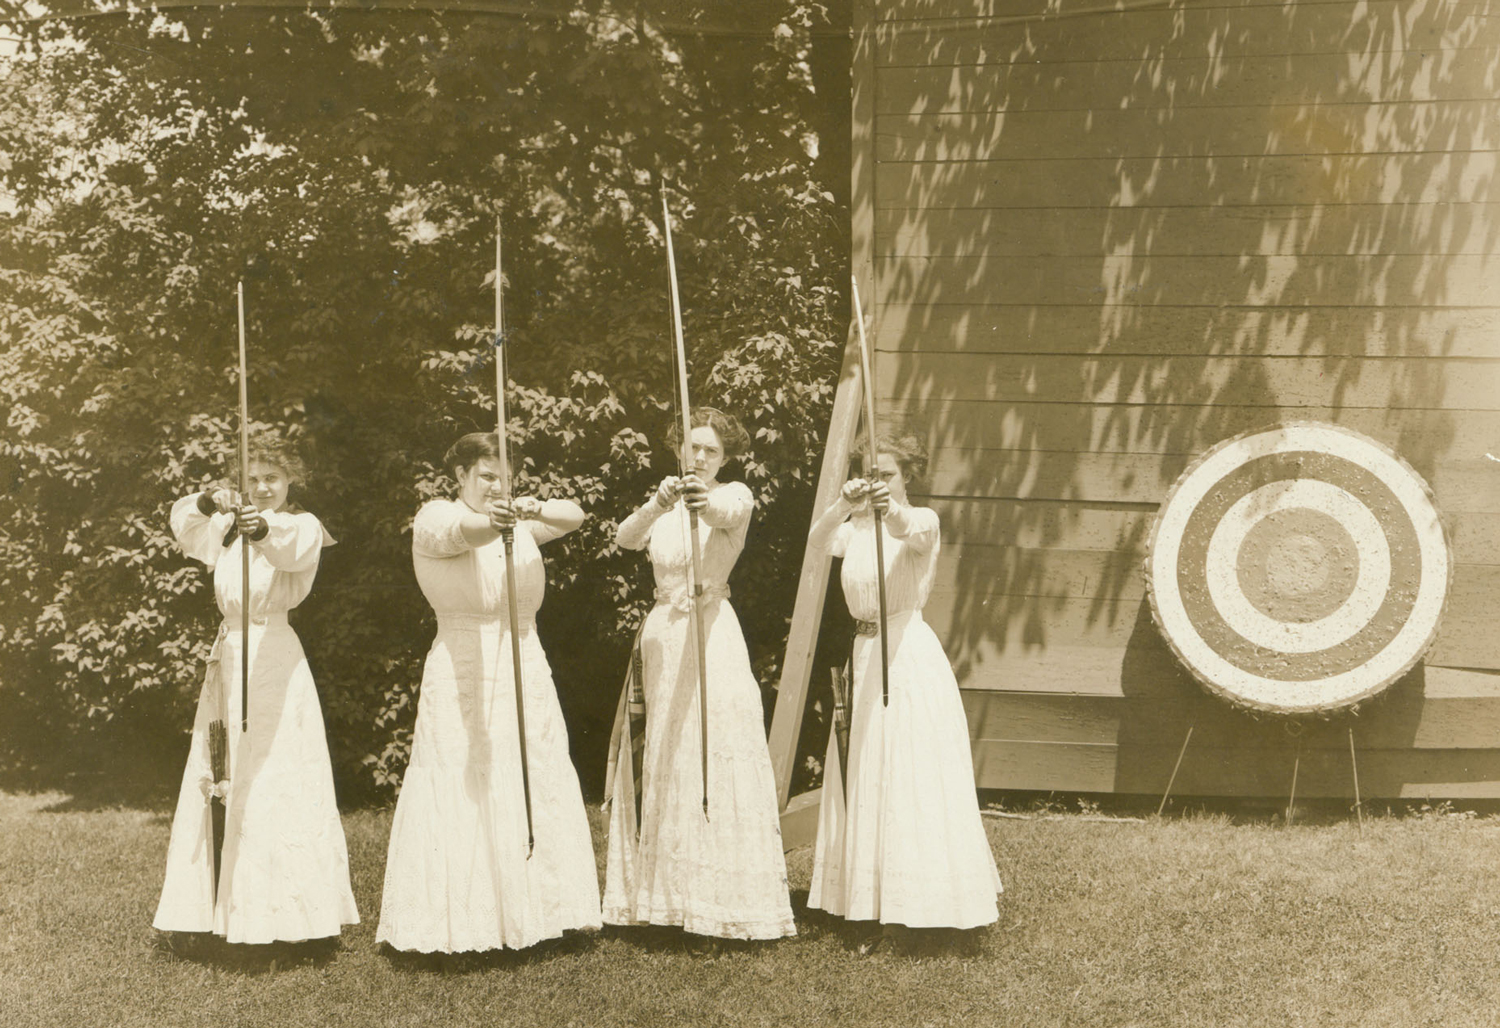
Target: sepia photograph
<point x="896" y="513"/>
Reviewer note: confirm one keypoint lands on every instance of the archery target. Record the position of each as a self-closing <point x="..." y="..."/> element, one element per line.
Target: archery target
<point x="1298" y="569"/>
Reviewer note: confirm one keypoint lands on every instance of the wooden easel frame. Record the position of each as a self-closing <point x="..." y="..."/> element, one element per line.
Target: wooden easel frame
<point x="799" y="813"/>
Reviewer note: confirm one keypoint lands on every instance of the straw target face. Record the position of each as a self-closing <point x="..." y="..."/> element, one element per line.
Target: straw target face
<point x="1298" y="569"/>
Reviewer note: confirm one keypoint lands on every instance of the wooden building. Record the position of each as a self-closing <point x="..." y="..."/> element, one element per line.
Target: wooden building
<point x="1095" y="240"/>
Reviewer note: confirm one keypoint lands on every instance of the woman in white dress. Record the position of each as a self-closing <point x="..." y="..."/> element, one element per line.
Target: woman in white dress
<point x="724" y="874"/>
<point x="284" y="873"/>
<point x="910" y="849"/>
<point x="457" y="876"/>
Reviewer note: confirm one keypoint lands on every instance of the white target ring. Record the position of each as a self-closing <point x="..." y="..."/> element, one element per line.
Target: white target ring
<point x="1224" y="560"/>
<point x="1298" y="569"/>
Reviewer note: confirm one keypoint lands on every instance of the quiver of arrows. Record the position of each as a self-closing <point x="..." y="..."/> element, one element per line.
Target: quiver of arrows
<point x="635" y="712"/>
<point x="840" y="683"/>
<point x="218" y="765"/>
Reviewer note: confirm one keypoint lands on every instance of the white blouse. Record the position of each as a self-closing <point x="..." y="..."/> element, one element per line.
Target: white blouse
<point x="283" y="563"/>
<point x="458" y="578"/>
<point x="722" y="526"/>
<point x="910" y="562"/>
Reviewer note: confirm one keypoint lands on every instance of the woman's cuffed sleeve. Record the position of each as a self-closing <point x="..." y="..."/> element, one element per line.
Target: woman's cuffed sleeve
<point x="293" y="542"/>
<point x="438" y="530"/>
<point x="839" y="544"/>
<point x="922" y="529"/>
<point x="729" y="506"/>
<point x="200" y="536"/>
<point x="635" y="530"/>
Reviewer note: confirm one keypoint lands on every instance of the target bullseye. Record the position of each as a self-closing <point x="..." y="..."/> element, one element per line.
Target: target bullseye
<point x="1298" y="569"/>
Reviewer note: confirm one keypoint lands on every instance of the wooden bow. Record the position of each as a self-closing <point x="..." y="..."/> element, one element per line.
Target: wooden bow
<point x="508" y="537"/>
<point x="695" y="571"/>
<point x="872" y="471"/>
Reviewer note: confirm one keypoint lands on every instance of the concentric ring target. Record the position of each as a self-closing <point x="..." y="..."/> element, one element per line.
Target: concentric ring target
<point x="1298" y="569"/>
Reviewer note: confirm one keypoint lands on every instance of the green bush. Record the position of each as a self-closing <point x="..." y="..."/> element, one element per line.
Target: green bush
<point x="349" y="169"/>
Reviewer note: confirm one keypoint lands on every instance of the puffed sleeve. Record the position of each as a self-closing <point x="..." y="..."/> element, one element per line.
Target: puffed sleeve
<point x="635" y="531"/>
<point x="923" y="531"/>
<point x="539" y="530"/>
<point x="201" y="536"/>
<point x="293" y="542"/>
<point x="840" y="541"/>
<point x="729" y="506"/>
<point x="438" y="530"/>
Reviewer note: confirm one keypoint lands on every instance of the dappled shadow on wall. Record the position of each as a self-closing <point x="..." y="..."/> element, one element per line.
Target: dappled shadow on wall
<point x="1106" y="242"/>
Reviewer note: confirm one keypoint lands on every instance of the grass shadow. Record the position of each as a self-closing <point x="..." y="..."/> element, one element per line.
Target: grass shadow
<point x="871" y="938"/>
<point x="238" y="958"/>
<point x="571" y="944"/>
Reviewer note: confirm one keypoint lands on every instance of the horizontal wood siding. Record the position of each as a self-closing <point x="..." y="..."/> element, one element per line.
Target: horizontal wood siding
<point x="1104" y="241"/>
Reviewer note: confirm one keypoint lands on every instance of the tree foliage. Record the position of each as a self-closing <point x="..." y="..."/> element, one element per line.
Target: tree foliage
<point x="349" y="169"/>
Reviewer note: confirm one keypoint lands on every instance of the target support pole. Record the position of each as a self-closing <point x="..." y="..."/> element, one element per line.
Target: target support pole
<point x="1175" y="767"/>
<point x="1359" y="807"/>
<point x="1291" y="803"/>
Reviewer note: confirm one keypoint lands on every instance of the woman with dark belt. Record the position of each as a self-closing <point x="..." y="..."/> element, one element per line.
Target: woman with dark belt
<point x="458" y="876"/>
<point x="903" y="842"/>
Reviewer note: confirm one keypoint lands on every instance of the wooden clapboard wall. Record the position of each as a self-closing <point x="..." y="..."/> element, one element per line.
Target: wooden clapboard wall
<point x="1103" y="238"/>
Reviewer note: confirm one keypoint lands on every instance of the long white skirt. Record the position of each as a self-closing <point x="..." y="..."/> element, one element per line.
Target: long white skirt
<point x="725" y="875"/>
<point x="912" y="849"/>
<point x="285" y="874"/>
<point x="457" y="877"/>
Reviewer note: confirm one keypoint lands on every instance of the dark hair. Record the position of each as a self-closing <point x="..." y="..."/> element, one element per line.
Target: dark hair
<point x="728" y="428"/>
<point x="470" y="450"/>
<point x="268" y="446"/>
<point x="905" y="447"/>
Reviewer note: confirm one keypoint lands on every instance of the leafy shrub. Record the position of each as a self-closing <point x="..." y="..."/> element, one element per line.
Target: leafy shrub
<point x="349" y="170"/>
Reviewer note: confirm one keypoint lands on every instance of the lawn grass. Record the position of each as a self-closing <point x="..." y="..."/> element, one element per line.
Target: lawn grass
<point x="1190" y="921"/>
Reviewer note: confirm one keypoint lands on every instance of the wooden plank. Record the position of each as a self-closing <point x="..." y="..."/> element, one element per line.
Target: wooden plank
<point x="1195" y="330"/>
<point x="996" y="624"/>
<point x="1066" y="767"/>
<point x="1144" y="669"/>
<point x="799" y="820"/>
<point x="1038" y="10"/>
<point x="1447" y="683"/>
<point x="1198" y="80"/>
<point x="1053" y="644"/>
<point x="1402" y="717"/>
<point x="1208" y="279"/>
<point x="1080" y="767"/>
<point x="1322" y="773"/>
<point x="1430" y="229"/>
<point x="812" y="583"/>
<point x="1189" y="180"/>
<point x="975" y="525"/>
<point x="989" y="604"/>
<point x="1001" y="570"/>
<point x="1467" y="637"/>
<point x="1043" y="717"/>
<point x="1238" y="131"/>
<point x="1421" y="437"/>
<point x="1013" y="571"/>
<point x="1286" y="382"/>
<point x="1045" y="524"/>
<point x="1458" y="487"/>
<point x="1155" y="33"/>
